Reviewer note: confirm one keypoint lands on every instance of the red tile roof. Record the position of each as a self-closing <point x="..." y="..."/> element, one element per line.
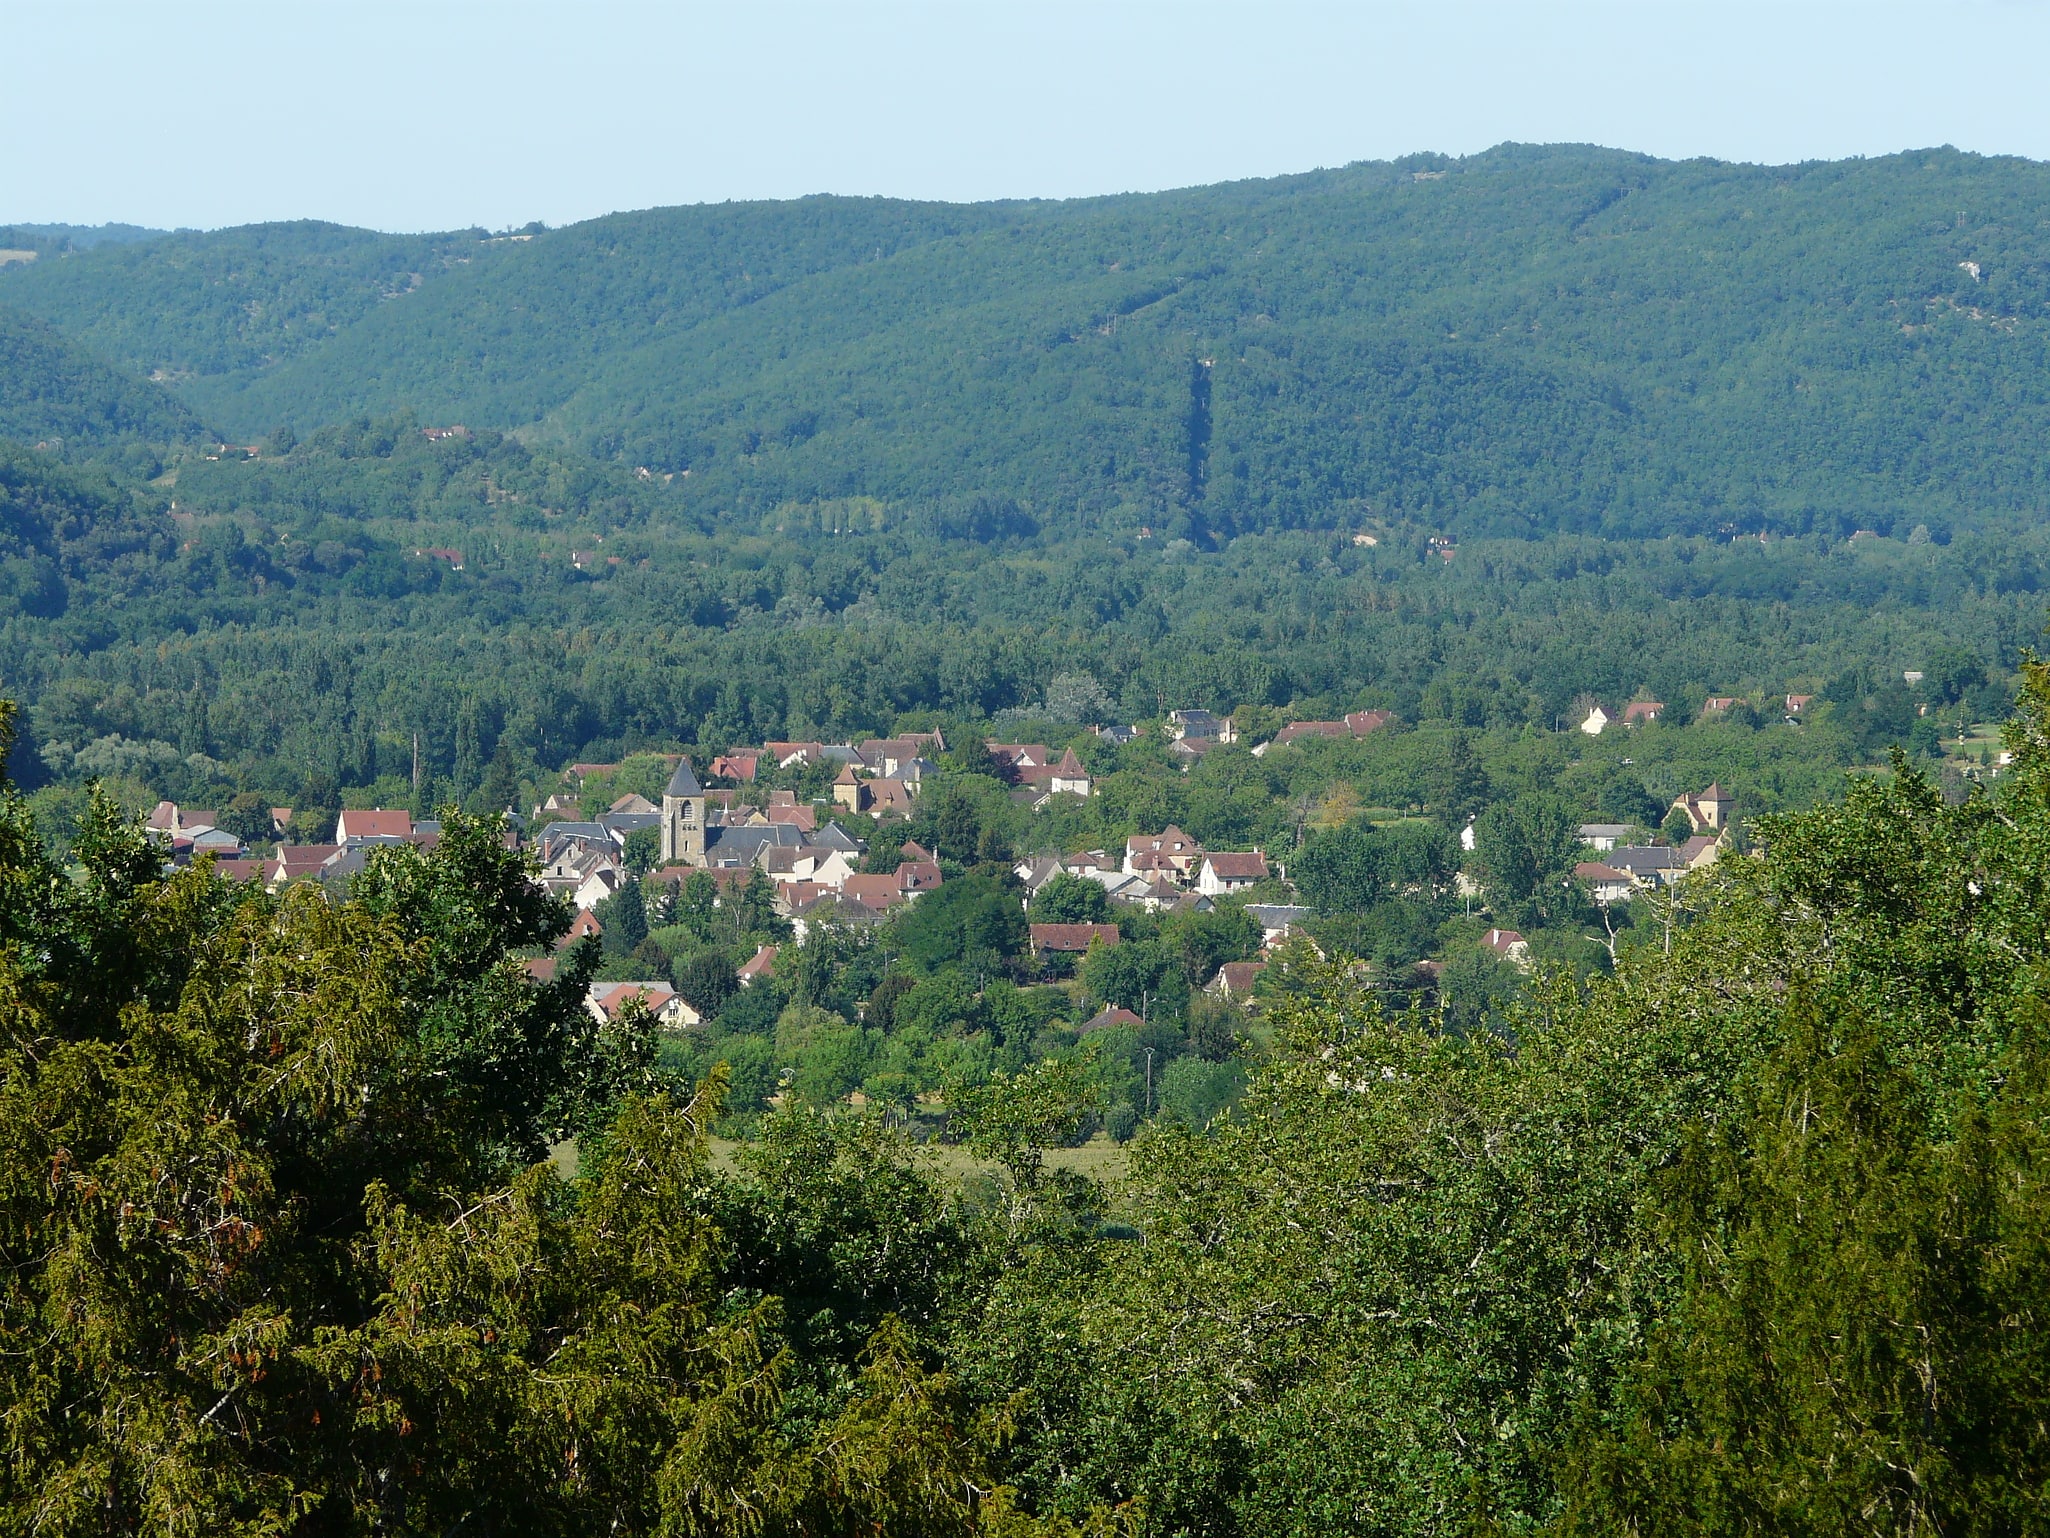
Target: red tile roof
<point x="1071" y="937"/>
<point x="1297" y="729"/>
<point x="374" y="824"/>
<point x="874" y="891"/>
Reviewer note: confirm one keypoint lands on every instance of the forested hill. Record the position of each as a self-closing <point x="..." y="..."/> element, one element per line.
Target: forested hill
<point x="58" y="396"/>
<point x="1523" y="341"/>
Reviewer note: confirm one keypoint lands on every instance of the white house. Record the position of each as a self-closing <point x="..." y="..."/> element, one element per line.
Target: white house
<point x="600" y="882"/>
<point x="1597" y="718"/>
<point x="1223" y="873"/>
<point x="670" y="1008"/>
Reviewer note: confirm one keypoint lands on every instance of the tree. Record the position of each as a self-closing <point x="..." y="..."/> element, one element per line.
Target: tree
<point x="1066" y="899"/>
<point x="1842" y="1355"/>
<point x="977" y="912"/>
<point x="707" y="979"/>
<point x="643" y="851"/>
<point x="624" y="918"/>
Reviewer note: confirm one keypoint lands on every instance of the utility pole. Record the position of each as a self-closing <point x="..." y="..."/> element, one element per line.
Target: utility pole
<point x="416" y="763"/>
<point x="1149" y="1080"/>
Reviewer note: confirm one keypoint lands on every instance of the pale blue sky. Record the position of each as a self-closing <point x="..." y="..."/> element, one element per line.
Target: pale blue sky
<point x="438" y="115"/>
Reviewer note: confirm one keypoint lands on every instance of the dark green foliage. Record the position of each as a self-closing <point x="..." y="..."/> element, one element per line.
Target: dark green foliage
<point x="624" y="919"/>
<point x="1356" y="867"/>
<point x="52" y="391"/>
<point x="707" y="980"/>
<point x="1069" y="899"/>
<point x="979" y="913"/>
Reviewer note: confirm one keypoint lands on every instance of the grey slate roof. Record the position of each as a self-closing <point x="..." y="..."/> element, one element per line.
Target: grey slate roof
<point x="684" y="782"/>
<point x="744" y="846"/>
<point x="833" y="836"/>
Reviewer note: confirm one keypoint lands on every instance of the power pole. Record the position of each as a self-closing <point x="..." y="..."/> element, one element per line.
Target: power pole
<point x="416" y="763"/>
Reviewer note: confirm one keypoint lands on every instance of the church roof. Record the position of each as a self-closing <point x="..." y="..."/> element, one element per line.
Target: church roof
<point x="684" y="782"/>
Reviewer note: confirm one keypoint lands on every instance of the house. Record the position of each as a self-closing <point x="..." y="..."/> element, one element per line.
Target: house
<point x="850" y="790"/>
<point x="1189" y="751"/>
<point x="734" y="766"/>
<point x="297" y="862"/>
<point x="1597" y="719"/>
<point x="917" y="877"/>
<point x="352" y="825"/>
<point x="1647" y="864"/>
<point x="1090" y="865"/>
<point x="913" y="850"/>
<point x="280" y="819"/>
<point x="1277" y="921"/>
<point x="1118" y="735"/>
<point x="786" y="754"/>
<point x="1360" y="722"/>
<point x="1605" y="883"/>
<point x="1035" y="873"/>
<point x="170" y="821"/>
<point x="1643" y="712"/>
<point x="1295" y="731"/>
<point x="1603" y="836"/>
<point x="584" y="926"/>
<point x="1234" y="980"/>
<point x="1200" y="724"/>
<point x="1015" y="757"/>
<point x="889" y="798"/>
<point x="576" y="774"/>
<point x="1066" y="777"/>
<point x="599" y="882"/>
<point x="1711" y="811"/>
<point x="836" y="839"/>
<point x="608" y="1001"/>
<point x="1104" y="1019"/>
<point x="877" y="892"/>
<point x="241" y="872"/>
<point x="886" y="755"/>
<point x="1224" y="873"/>
<point x="1798" y="703"/>
<point x="217" y="841"/>
<point x="762" y="964"/>
<point x="1719" y="704"/>
<point x="635" y="804"/>
<point x="1175" y="850"/>
<point x="803" y="818"/>
<point x="1700" y="851"/>
<point x="1070" y="939"/>
<point x="1508" y="945"/>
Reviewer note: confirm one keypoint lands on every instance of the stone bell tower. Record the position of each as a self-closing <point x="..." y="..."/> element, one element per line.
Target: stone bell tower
<point x="683" y="818"/>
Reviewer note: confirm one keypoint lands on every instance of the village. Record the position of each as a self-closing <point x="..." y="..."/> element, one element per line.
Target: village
<point x="841" y="858"/>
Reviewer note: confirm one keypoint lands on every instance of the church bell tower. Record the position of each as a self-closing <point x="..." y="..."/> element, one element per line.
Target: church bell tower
<point x="683" y="818"/>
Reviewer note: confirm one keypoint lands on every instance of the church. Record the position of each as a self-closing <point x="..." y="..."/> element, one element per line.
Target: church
<point x="683" y="818"/>
<point x="691" y="837"/>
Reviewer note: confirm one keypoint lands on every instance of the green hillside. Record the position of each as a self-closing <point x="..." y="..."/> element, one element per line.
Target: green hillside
<point x="1521" y="341"/>
<point x="55" y="393"/>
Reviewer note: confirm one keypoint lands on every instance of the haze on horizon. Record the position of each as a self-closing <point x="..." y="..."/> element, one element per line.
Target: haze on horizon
<point x="450" y="115"/>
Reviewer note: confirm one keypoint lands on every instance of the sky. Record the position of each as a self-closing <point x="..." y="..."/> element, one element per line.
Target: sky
<point x="431" y="115"/>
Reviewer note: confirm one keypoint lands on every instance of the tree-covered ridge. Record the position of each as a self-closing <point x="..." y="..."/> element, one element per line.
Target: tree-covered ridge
<point x="1524" y="341"/>
<point x="190" y="307"/>
<point x="55" y="393"/>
